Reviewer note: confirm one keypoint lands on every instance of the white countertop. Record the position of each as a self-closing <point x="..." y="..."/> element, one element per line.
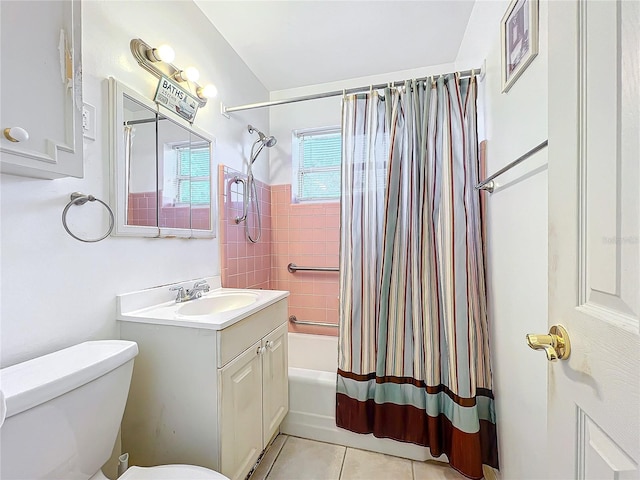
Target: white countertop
<point x="151" y="306"/>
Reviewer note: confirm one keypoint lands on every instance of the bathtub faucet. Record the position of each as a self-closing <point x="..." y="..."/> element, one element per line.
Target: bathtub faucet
<point x="191" y="293"/>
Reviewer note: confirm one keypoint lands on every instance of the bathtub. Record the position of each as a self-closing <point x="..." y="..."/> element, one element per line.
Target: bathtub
<point x="313" y="362"/>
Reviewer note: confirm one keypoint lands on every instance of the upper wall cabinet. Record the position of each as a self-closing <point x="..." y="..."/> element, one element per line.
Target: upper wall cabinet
<point x="41" y="89"/>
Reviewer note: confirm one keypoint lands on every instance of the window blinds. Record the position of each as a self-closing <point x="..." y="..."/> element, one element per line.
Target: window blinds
<point x="194" y="176"/>
<point x="318" y="175"/>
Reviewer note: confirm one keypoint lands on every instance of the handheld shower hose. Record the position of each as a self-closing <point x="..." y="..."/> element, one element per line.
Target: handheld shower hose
<point x="251" y="193"/>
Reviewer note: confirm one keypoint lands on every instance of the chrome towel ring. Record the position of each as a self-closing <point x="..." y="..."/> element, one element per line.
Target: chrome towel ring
<point x="78" y="198"/>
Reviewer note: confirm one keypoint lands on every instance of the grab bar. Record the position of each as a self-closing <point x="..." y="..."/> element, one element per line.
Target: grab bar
<point x="293" y="319"/>
<point x="245" y="210"/>
<point x="488" y="184"/>
<point x="293" y="268"/>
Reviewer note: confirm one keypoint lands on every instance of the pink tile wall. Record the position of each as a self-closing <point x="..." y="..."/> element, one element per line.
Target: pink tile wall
<point x="200" y="218"/>
<point x="306" y="234"/>
<point x="243" y="264"/>
<point x="170" y="216"/>
<point x="141" y="209"/>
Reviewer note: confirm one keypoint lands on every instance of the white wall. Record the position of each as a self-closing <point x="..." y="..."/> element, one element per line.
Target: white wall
<point x="516" y="241"/>
<point x="57" y="291"/>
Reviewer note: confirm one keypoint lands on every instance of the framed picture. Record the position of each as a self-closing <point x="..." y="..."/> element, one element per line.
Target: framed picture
<point x="519" y="35"/>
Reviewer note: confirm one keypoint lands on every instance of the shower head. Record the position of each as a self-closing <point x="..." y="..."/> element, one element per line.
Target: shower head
<point x="269" y="141"/>
<point x="263" y="140"/>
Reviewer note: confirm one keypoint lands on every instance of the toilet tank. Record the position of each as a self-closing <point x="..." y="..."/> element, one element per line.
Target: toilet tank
<point x="64" y="411"/>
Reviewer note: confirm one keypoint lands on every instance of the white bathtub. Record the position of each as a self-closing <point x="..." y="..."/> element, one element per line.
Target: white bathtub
<point x="313" y="362"/>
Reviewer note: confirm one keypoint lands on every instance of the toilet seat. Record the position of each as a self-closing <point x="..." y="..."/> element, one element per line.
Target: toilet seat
<point x="171" y="472"/>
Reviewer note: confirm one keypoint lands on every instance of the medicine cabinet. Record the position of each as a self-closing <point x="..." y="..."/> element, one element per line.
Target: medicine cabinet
<point x="41" y="97"/>
<point x="161" y="170"/>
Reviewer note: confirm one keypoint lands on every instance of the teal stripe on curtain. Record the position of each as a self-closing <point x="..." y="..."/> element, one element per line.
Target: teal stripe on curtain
<point x="463" y="418"/>
<point x="413" y="301"/>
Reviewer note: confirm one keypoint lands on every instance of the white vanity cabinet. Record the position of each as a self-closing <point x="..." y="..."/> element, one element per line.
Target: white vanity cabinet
<point x="213" y="398"/>
<point x="255" y="400"/>
<point x="41" y="97"/>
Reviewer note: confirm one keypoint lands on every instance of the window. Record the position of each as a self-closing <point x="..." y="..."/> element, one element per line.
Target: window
<point x="186" y="174"/>
<point x="316" y="164"/>
<point x="193" y="176"/>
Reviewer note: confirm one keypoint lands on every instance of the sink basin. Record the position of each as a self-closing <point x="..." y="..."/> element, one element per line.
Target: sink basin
<point x="218" y="303"/>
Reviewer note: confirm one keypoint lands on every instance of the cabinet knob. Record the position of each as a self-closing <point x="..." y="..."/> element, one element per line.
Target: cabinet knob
<point x="260" y="350"/>
<point x="16" y="134"/>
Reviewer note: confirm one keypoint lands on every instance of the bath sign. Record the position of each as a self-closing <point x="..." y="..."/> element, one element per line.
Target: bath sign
<point x="172" y="96"/>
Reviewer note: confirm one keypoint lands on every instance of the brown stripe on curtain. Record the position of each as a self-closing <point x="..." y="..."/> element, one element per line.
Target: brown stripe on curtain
<point x="466" y="452"/>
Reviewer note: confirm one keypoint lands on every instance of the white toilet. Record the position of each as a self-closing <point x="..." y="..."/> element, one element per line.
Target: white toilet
<point x="63" y="412"/>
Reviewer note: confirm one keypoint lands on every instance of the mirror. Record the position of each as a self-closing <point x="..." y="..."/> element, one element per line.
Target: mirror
<point x="162" y="182"/>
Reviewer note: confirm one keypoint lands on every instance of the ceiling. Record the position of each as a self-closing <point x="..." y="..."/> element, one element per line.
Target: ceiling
<point x="290" y="44"/>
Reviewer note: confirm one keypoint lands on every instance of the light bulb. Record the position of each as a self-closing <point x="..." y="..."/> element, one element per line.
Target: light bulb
<point x="164" y="53"/>
<point x="208" y="91"/>
<point x="192" y="74"/>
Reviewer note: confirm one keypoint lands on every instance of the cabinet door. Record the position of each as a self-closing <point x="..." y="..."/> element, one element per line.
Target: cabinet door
<point x="275" y="381"/>
<point x="241" y="413"/>
<point x="41" y="88"/>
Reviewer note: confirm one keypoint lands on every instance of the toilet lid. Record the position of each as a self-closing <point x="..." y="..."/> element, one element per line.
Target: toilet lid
<point x="171" y="472"/>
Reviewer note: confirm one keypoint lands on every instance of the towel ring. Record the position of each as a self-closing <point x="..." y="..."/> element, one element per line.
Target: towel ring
<point x="78" y="198"/>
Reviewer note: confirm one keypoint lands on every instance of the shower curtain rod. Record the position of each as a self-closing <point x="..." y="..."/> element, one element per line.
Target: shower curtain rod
<point x="227" y="110"/>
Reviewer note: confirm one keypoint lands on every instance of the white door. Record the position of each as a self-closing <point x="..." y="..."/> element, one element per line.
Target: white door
<point x="275" y="381"/>
<point x="594" y="238"/>
<point x="241" y="413"/>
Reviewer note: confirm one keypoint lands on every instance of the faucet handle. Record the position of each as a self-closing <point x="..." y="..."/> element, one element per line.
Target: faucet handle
<point x="182" y="294"/>
<point x="201" y="284"/>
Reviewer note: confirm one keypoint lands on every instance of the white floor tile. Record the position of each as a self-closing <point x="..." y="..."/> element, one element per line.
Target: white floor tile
<point x="269" y="458"/>
<point x="302" y="459"/>
<point x="435" y="471"/>
<point x="363" y="465"/>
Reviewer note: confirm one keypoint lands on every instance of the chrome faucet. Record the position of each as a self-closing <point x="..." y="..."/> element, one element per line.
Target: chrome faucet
<point x="190" y="293"/>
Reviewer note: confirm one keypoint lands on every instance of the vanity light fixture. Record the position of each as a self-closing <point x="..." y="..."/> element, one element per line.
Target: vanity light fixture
<point x="158" y="62"/>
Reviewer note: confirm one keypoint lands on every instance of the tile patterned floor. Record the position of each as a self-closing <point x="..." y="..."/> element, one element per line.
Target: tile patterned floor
<point x="292" y="458"/>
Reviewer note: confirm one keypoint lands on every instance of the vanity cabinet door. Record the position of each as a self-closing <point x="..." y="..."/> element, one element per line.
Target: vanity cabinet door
<point x="275" y="381"/>
<point x="241" y="413"/>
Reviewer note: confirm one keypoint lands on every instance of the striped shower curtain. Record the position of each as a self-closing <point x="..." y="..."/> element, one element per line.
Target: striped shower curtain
<point x="413" y="347"/>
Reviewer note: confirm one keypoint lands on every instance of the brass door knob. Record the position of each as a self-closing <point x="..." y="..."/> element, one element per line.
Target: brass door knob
<point x="556" y="344"/>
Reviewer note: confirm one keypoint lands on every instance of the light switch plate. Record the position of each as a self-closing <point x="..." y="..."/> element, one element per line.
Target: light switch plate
<point x="89" y="121"/>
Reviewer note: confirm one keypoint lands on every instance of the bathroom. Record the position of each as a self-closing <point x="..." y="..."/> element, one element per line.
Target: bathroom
<point x="75" y="284"/>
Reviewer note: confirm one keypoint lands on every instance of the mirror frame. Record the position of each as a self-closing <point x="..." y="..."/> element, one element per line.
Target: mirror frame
<point x="119" y="174"/>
